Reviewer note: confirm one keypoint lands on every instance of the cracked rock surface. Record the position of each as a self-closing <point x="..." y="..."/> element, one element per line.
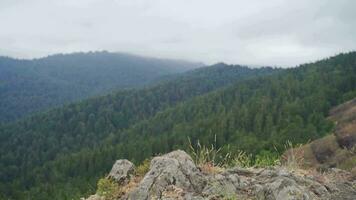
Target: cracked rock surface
<point x="174" y="176"/>
<point x="122" y="171"/>
<point x="173" y="169"/>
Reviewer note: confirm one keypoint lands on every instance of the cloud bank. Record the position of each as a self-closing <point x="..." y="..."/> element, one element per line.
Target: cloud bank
<point x="254" y="32"/>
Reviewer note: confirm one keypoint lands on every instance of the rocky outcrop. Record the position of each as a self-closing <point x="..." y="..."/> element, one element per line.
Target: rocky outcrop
<point x="174" y="176"/>
<point x="122" y="171"/>
<point x="173" y="169"/>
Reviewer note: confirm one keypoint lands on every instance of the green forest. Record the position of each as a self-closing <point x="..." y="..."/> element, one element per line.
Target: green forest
<point x="61" y="153"/>
<point x="74" y="127"/>
<point x="29" y="86"/>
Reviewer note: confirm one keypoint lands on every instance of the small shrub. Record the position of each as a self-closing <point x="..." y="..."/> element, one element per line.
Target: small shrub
<point x="143" y="168"/>
<point x="242" y="159"/>
<point x="107" y="188"/>
<point x="266" y="158"/>
<point x="348" y="164"/>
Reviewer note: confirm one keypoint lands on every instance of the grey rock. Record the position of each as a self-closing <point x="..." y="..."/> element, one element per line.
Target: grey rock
<point x="94" y="197"/>
<point x="223" y="184"/>
<point x="283" y="188"/>
<point x="346" y="191"/>
<point x="175" y="168"/>
<point x="122" y="171"/>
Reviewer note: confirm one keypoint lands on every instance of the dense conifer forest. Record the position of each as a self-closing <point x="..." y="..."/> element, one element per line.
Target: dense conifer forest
<point x="60" y="154"/>
<point x="28" y="144"/>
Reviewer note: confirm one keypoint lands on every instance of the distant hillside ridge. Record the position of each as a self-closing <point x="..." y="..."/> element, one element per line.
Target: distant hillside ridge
<point x="29" y="86"/>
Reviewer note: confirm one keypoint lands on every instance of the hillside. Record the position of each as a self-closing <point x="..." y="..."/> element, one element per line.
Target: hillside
<point x="337" y="149"/>
<point x="29" y="86"/>
<point x="32" y="150"/>
<point x="255" y="115"/>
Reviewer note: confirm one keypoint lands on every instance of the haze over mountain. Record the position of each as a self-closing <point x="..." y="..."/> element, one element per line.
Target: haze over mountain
<point x="29" y="86"/>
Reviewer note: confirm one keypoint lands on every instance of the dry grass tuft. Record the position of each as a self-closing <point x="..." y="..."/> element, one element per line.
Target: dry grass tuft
<point x="211" y="159"/>
<point x="293" y="158"/>
<point x="209" y="168"/>
<point x="204" y="155"/>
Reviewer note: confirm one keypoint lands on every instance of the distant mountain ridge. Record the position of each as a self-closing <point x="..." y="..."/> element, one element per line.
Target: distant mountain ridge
<point x="28" y="86"/>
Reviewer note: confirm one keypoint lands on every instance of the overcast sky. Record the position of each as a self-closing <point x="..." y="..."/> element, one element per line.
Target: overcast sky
<point x="255" y="32"/>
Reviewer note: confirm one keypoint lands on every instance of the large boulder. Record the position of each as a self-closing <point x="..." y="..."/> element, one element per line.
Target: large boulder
<point x="173" y="169"/>
<point x="122" y="171"/>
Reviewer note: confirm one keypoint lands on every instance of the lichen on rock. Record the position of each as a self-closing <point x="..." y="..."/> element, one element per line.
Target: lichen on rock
<point x="175" y="168"/>
<point x="122" y="171"/>
<point x="174" y="176"/>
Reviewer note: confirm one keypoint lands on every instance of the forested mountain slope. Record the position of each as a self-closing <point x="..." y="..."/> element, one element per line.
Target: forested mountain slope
<point x="254" y="115"/>
<point x="28" y="86"/>
<point x="257" y="115"/>
<point x="28" y="147"/>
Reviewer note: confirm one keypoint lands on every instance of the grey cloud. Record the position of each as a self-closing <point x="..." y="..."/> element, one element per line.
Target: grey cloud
<point x="275" y="32"/>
